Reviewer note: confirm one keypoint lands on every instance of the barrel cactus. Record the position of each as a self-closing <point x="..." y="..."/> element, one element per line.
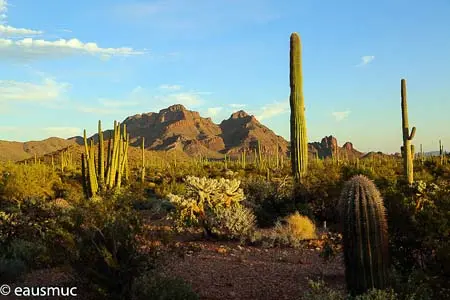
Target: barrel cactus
<point x="365" y="235"/>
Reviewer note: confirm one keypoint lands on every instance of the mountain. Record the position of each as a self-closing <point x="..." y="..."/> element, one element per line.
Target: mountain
<point x="16" y="151"/>
<point x="178" y="129"/>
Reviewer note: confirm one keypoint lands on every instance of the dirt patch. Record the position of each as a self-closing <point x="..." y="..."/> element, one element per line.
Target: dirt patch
<point x="218" y="270"/>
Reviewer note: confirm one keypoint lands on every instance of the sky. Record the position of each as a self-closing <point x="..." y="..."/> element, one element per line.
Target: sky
<point x="64" y="65"/>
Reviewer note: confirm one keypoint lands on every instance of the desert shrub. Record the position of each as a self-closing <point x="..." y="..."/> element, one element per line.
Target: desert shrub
<point x="170" y="186"/>
<point x="321" y="191"/>
<point x="419" y="227"/>
<point x="108" y="256"/>
<point x="292" y="230"/>
<point x="318" y="290"/>
<point x="29" y="252"/>
<point x="20" y="182"/>
<point x="69" y="189"/>
<point x="300" y="226"/>
<point x="203" y="200"/>
<point x="37" y="232"/>
<point x="153" y="286"/>
<point x="348" y="171"/>
<point x="237" y="222"/>
<point x="271" y="201"/>
<point x="375" y="294"/>
<point x="332" y="245"/>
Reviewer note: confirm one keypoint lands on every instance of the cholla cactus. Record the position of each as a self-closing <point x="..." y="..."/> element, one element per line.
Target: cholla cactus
<point x="203" y="196"/>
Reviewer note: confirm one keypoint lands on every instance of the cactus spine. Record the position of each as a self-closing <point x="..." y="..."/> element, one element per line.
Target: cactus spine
<point x="407" y="150"/>
<point x="365" y="237"/>
<point x="299" y="142"/>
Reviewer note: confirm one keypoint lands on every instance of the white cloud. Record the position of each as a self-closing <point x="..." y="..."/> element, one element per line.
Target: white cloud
<point x="47" y="91"/>
<point x="341" y="115"/>
<point x="271" y="110"/>
<point x="365" y="60"/>
<point x="3" y="9"/>
<point x="62" y="131"/>
<point x="170" y="87"/>
<point x="233" y="105"/>
<point x="214" y="111"/>
<point x="6" y="30"/>
<point x="188" y="99"/>
<point x="29" y="48"/>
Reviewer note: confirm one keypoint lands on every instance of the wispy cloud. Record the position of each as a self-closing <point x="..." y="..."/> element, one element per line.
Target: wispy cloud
<point x="188" y="99"/>
<point x="62" y="131"/>
<point x="29" y="49"/>
<point x="3" y="10"/>
<point x="274" y="109"/>
<point x="213" y="111"/>
<point x="46" y="91"/>
<point x="234" y="105"/>
<point x="365" y="60"/>
<point x="170" y="87"/>
<point x="341" y="115"/>
<point x="6" y="30"/>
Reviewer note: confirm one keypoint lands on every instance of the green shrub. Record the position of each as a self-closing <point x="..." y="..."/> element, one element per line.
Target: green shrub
<point x="21" y="182"/>
<point x="271" y="201"/>
<point x="38" y="230"/>
<point x="154" y="286"/>
<point x="419" y="220"/>
<point x="108" y="250"/>
<point x="320" y="291"/>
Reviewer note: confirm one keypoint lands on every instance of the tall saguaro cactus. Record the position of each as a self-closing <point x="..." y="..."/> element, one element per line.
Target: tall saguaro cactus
<point x="299" y="141"/>
<point x="365" y="235"/>
<point x="407" y="148"/>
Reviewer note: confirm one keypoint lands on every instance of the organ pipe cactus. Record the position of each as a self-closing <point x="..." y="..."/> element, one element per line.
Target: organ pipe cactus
<point x="115" y="167"/>
<point x="143" y="160"/>
<point x="101" y="156"/>
<point x="407" y="149"/>
<point x="365" y="235"/>
<point x="299" y="141"/>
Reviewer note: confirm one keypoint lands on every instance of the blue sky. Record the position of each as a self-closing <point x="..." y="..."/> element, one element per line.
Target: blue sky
<point x="66" y="64"/>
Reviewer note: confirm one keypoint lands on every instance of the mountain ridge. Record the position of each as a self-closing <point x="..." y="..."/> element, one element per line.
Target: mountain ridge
<point x="176" y="127"/>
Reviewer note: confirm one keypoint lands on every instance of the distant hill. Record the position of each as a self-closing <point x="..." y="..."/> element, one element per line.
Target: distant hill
<point x="183" y="130"/>
<point x="16" y="151"/>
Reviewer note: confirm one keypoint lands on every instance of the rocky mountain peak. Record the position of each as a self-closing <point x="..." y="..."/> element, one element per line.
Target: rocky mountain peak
<point x="348" y="146"/>
<point x="239" y="115"/>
